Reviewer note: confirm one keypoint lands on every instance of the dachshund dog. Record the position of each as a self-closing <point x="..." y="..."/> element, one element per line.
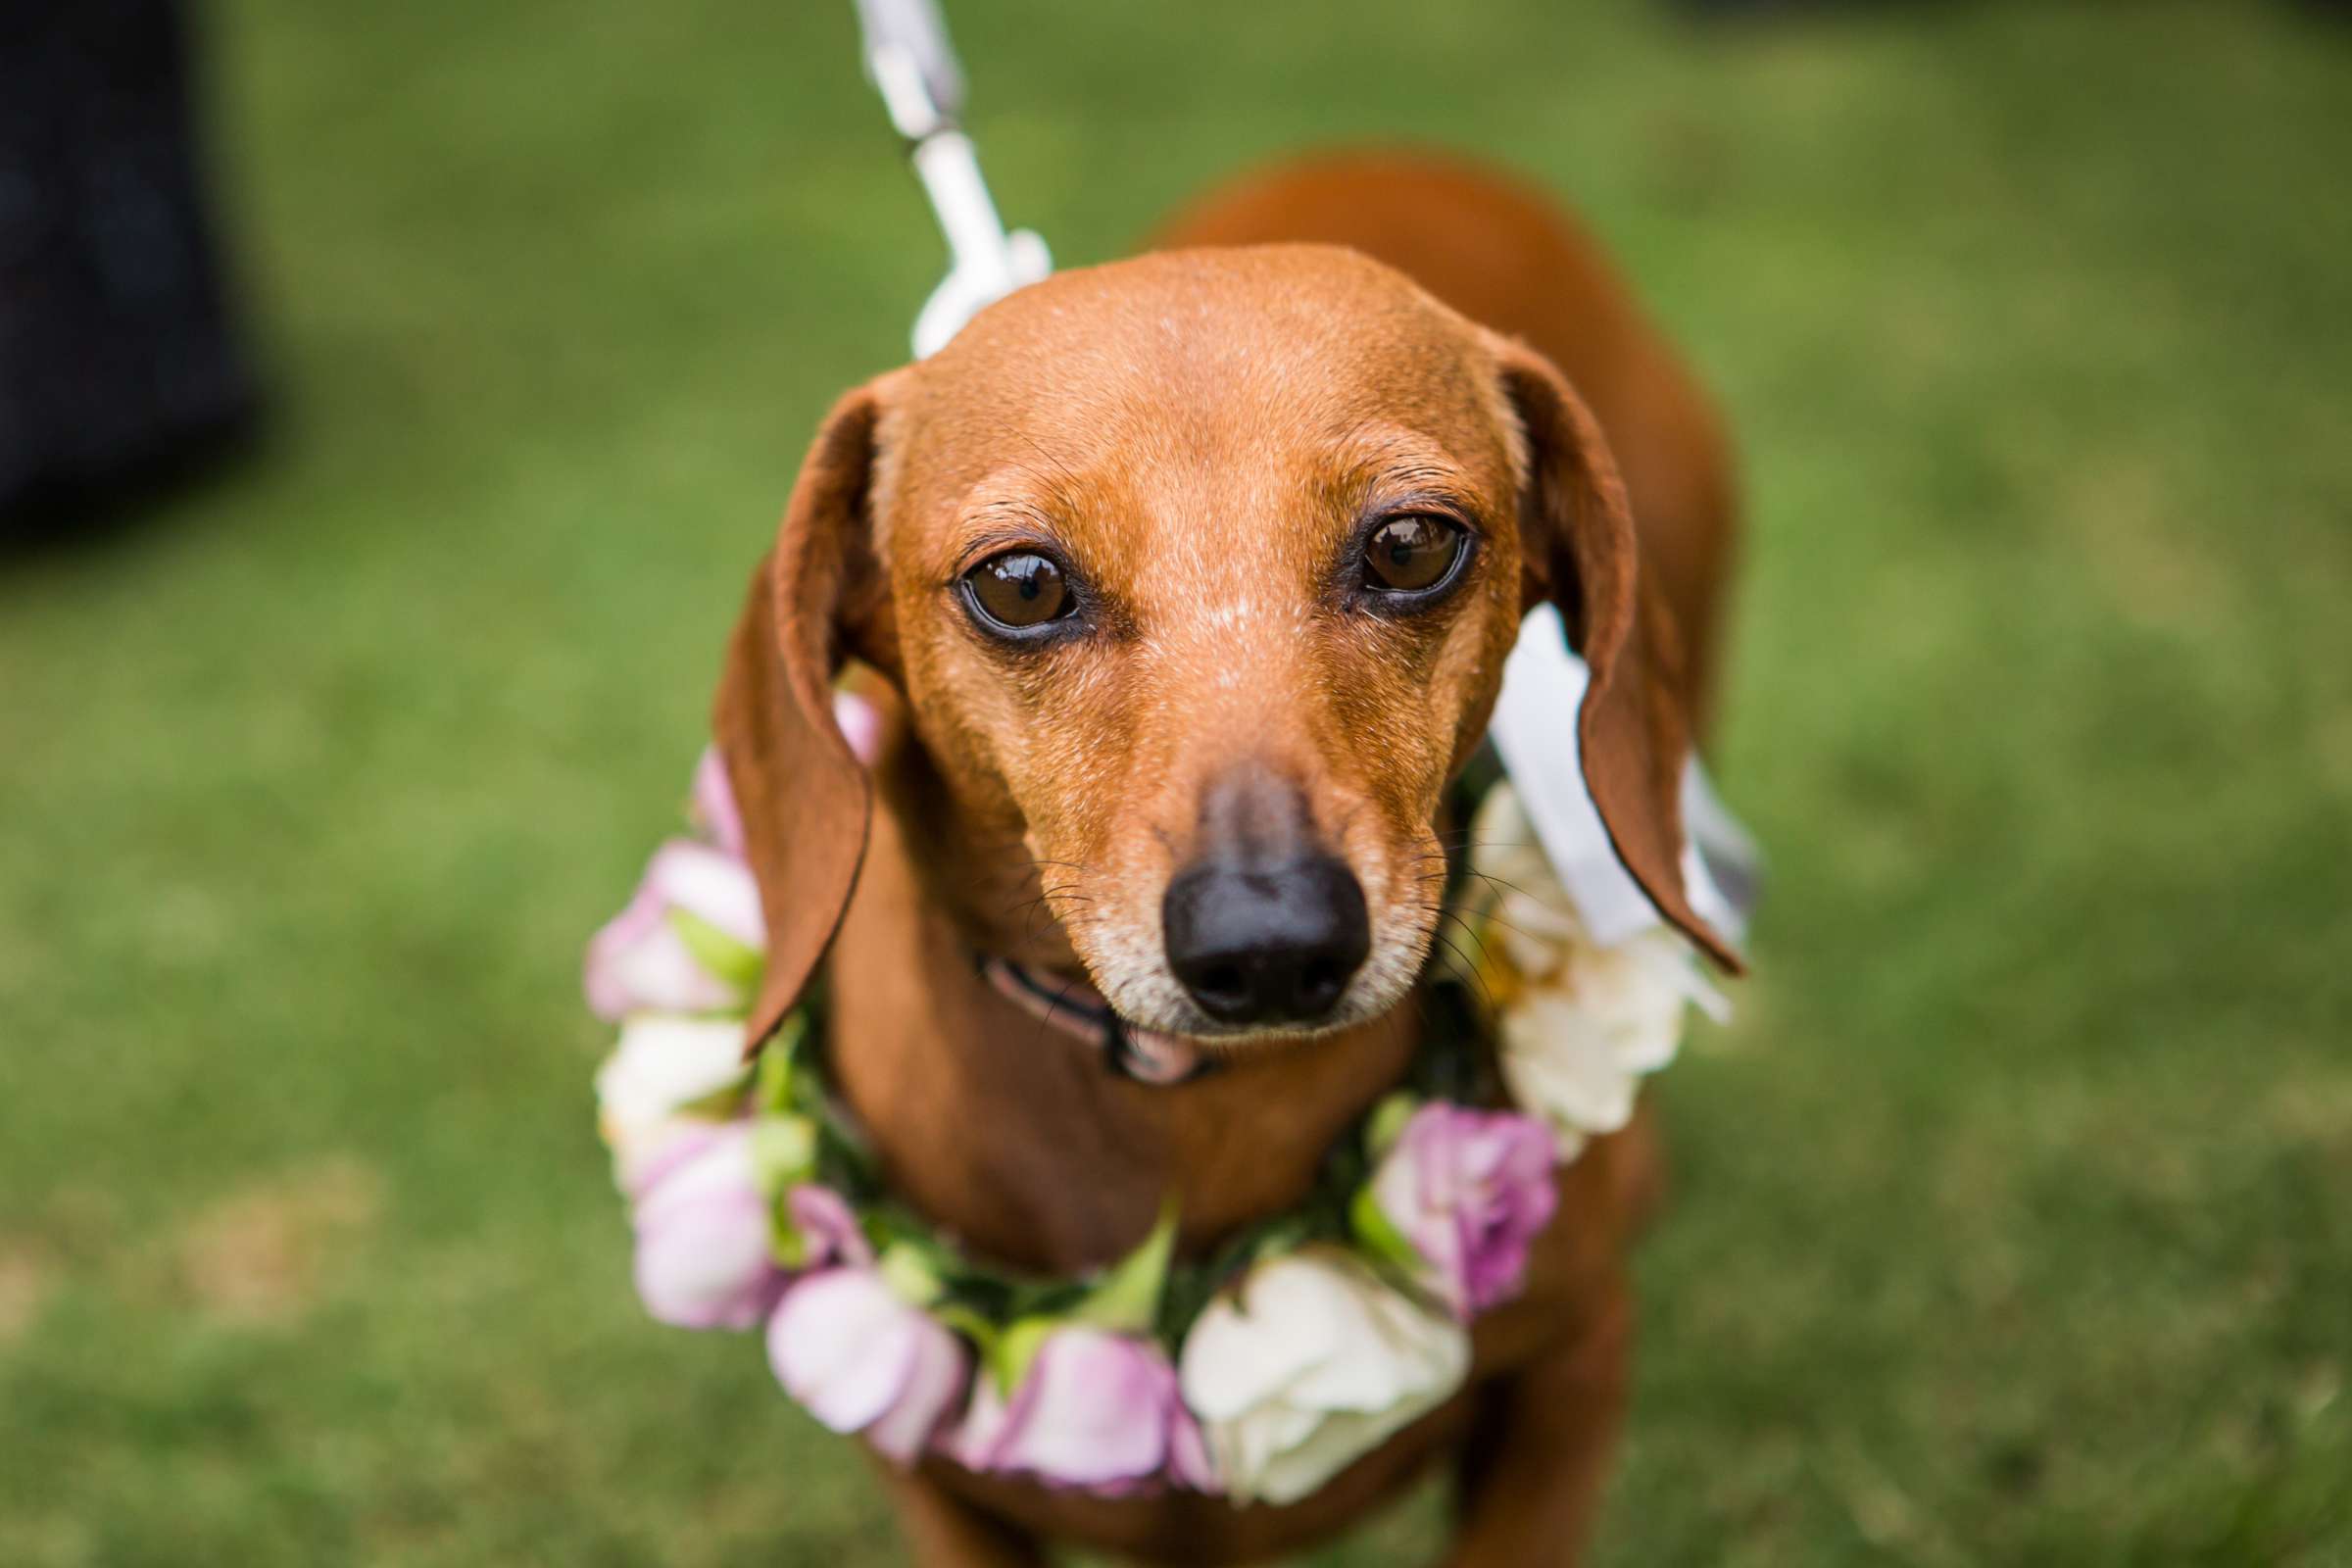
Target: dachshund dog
<point x="1186" y="583"/>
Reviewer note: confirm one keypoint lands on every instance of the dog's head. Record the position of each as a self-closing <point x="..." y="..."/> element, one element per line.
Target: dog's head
<point x="1198" y="573"/>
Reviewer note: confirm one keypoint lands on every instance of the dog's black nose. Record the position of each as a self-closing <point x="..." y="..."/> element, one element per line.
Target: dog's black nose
<point x="1259" y="945"/>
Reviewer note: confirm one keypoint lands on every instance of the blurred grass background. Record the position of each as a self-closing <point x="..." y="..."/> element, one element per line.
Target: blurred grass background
<point x="2013" y="1219"/>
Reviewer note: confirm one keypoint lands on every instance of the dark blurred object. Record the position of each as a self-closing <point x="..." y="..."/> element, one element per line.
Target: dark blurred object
<point x="120" y="364"/>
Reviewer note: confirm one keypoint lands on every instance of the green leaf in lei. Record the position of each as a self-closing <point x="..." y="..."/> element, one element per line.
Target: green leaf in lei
<point x="733" y="961"/>
<point x="1386" y="1122"/>
<point x="774" y="1089"/>
<point x="784" y="1155"/>
<point x="912" y="1272"/>
<point x="1014" y="1351"/>
<point x="1126" y="1299"/>
<point x="783" y="1152"/>
<point x="1379" y="1236"/>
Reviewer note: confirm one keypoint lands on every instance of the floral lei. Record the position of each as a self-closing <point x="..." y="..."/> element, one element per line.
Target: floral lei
<point x="1258" y="1373"/>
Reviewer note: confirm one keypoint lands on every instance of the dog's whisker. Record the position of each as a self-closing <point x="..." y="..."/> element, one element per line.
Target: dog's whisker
<point x="1506" y="887"/>
<point x="1475" y="973"/>
<point x="1486" y="996"/>
<point x="1492" y="918"/>
<point x="1464" y="839"/>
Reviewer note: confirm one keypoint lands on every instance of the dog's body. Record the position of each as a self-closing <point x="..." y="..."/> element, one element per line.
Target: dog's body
<point x="1165" y="395"/>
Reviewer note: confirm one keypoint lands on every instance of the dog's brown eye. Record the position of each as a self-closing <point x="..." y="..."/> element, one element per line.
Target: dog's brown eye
<point x="1019" y="589"/>
<point x="1411" y="554"/>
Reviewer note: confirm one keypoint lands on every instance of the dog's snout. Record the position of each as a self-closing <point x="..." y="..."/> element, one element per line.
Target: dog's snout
<point x="1261" y="945"/>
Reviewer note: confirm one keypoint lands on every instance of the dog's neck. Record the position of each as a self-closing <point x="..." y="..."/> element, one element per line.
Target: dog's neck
<point x="1016" y="1137"/>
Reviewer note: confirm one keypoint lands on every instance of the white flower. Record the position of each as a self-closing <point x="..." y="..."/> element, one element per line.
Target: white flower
<point x="1577" y="1043"/>
<point x="662" y="1065"/>
<point x="1310" y="1363"/>
<point x="1582" y="1023"/>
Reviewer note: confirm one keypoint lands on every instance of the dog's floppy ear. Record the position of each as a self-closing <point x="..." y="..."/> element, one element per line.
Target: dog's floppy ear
<point x="804" y="796"/>
<point x="1581" y="551"/>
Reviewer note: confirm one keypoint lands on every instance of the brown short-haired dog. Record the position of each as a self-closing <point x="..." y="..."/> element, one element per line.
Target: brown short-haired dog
<point x="1128" y="552"/>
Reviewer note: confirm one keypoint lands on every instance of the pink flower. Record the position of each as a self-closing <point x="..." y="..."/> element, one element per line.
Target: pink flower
<point x="862" y="1361"/>
<point x="828" y="1227"/>
<point x="1096" y="1409"/>
<point x="702" y="1237"/>
<point x="860" y="724"/>
<point x="690" y="940"/>
<point x="714" y="804"/>
<point x="1469" y="1190"/>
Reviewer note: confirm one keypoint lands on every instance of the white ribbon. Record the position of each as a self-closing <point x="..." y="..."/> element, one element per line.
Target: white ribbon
<point x="1535" y="730"/>
<point x="914" y="67"/>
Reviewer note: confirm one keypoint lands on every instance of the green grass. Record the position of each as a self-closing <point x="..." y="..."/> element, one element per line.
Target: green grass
<point x="2013" y="1220"/>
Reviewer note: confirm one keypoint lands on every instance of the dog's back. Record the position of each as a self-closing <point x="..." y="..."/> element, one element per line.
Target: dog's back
<point x="1513" y="261"/>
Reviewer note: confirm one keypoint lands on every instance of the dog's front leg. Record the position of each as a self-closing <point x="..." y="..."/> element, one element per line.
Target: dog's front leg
<point x="1531" y="1474"/>
<point x="945" y="1532"/>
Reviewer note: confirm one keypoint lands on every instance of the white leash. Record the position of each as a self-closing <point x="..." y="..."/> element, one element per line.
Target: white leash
<point x="911" y="64"/>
